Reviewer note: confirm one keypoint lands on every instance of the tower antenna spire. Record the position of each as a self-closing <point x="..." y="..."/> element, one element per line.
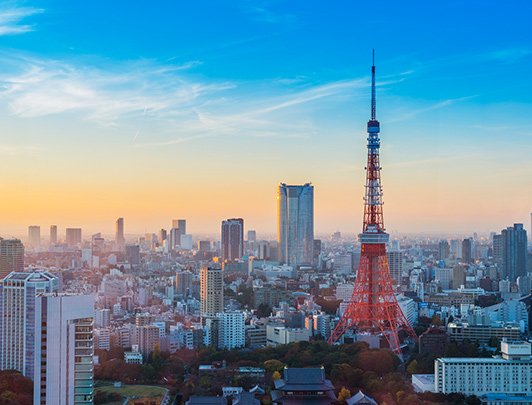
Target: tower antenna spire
<point x="373" y="306"/>
<point x="373" y="102"/>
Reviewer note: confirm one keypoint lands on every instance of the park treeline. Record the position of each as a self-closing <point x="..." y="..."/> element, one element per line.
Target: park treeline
<point x="379" y="373"/>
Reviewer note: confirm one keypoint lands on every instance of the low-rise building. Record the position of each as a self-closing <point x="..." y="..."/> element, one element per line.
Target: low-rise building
<point x="458" y="331"/>
<point x="510" y="373"/>
<point x="281" y="335"/>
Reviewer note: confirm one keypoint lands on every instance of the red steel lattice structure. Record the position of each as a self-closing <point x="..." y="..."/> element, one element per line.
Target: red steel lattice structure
<point x="373" y="306"/>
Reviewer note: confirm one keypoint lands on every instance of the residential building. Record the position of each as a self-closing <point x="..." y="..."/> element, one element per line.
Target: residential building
<point x="395" y="265"/>
<point x="183" y="282"/>
<point x="232" y="332"/>
<point x="444" y="250"/>
<point x="211" y="291"/>
<point x="467" y="251"/>
<point x="295" y="224"/>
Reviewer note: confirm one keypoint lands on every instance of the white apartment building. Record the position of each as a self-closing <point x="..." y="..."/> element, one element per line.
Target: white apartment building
<point x="102" y="338"/>
<point x="232" y="330"/>
<point x="102" y="318"/>
<point x="344" y="291"/>
<point x="510" y="373"/>
<point x="17" y="318"/>
<point x="63" y="349"/>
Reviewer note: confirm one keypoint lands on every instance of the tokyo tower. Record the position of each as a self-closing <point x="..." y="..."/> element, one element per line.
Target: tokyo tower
<point x="373" y="306"/>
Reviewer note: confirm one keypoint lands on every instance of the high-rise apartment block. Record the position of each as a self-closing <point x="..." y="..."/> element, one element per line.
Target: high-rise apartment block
<point x="11" y="256"/>
<point x="212" y="292"/>
<point x="514" y="252"/>
<point x="73" y="236"/>
<point x="232" y="239"/>
<point x="53" y="234"/>
<point x="18" y="296"/>
<point x="232" y="330"/>
<point x="119" y="232"/>
<point x="34" y="237"/>
<point x="63" y="349"/>
<point x="295" y="224"/>
<point x="183" y="282"/>
<point x="395" y="264"/>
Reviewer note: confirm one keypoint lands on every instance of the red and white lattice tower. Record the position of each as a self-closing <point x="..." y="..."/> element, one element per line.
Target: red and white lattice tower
<point x="373" y="306"/>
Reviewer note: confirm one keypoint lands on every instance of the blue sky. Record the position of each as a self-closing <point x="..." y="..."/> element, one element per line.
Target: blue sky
<point x="199" y="109"/>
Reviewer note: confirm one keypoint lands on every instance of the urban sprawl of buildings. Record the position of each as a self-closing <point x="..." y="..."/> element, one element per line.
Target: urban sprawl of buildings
<point x="62" y="300"/>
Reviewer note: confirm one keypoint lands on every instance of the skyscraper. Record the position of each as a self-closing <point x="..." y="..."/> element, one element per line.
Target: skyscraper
<point x="467" y="250"/>
<point x="212" y="292"/>
<point x="232" y="239"/>
<point x="295" y="223"/>
<point x="514" y="252"/>
<point x="73" y="236"/>
<point x="444" y="250"/>
<point x="63" y="367"/>
<point x="179" y="228"/>
<point x="119" y="232"/>
<point x="34" y="237"/>
<point x="252" y="236"/>
<point x="11" y="256"/>
<point x="53" y="234"/>
<point x="18" y="293"/>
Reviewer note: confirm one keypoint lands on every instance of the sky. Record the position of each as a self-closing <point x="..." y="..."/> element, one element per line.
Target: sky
<point x="159" y="110"/>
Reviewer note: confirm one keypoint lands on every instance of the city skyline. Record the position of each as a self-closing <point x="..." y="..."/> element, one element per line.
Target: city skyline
<point x="94" y="123"/>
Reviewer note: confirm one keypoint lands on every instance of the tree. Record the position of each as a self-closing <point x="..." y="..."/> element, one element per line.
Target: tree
<point x="413" y="368"/>
<point x="344" y="395"/>
<point x="276" y="375"/>
<point x="494" y="342"/>
<point x="273" y="365"/>
<point x="436" y="320"/>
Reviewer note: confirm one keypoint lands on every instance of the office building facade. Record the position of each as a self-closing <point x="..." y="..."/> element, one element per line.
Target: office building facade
<point x="11" y="256"/>
<point x="63" y="368"/>
<point x="18" y="296"/>
<point x="73" y="236"/>
<point x="295" y="224"/>
<point x="53" y="234"/>
<point x="119" y="232"/>
<point x="34" y="237"/>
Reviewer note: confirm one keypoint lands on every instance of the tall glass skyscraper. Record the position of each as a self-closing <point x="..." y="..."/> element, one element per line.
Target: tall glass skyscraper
<point x="514" y="252"/>
<point x="295" y="224"/>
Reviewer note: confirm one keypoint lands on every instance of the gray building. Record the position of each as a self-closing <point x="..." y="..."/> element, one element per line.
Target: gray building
<point x="295" y="224"/>
<point x="514" y="252"/>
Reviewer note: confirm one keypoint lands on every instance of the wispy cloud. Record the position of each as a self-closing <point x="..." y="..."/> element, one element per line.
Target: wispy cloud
<point x="11" y="16"/>
<point x="441" y="104"/>
<point x="165" y="104"/>
<point x="507" y="55"/>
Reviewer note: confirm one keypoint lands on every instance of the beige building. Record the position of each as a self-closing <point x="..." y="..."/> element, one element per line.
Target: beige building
<point x="281" y="335"/>
<point x="212" y="292"/>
